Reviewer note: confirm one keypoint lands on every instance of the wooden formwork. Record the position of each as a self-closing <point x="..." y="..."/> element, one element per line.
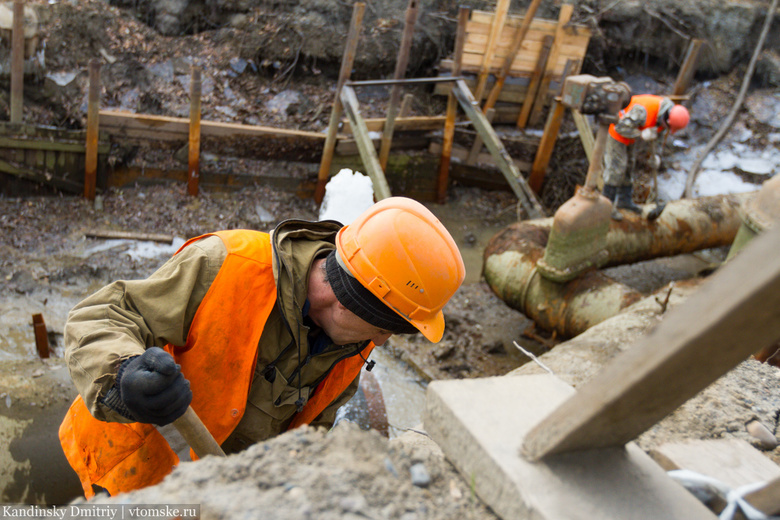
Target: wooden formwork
<point x="569" y="43"/>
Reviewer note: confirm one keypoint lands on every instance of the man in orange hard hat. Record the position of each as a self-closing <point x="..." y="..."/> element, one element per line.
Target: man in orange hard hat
<point x="258" y="332"/>
<point x="645" y="116"/>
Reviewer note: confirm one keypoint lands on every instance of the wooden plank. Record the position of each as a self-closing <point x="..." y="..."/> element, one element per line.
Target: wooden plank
<point x="732" y="461"/>
<point x="193" y="146"/>
<point x="502" y="7"/>
<point x="367" y="152"/>
<point x="123" y="124"/>
<point x="766" y="499"/>
<point x="533" y="87"/>
<point x="552" y="61"/>
<point x="517" y="42"/>
<point x="585" y="131"/>
<point x="731" y="316"/>
<point x="477" y="146"/>
<point x="422" y="123"/>
<point x="544" y="152"/>
<point x="528" y="199"/>
<point x="42" y="143"/>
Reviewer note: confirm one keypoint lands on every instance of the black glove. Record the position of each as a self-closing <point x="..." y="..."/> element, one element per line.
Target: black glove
<point x="153" y="388"/>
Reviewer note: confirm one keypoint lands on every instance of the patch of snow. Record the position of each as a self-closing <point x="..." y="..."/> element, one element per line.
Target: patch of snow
<point x="347" y="195"/>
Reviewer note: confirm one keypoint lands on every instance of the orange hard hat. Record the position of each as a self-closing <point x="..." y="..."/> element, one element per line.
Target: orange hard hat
<point x="678" y="118"/>
<point x="401" y="253"/>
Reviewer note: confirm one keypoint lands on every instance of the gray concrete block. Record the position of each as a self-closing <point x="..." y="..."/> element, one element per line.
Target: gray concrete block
<point x="480" y="424"/>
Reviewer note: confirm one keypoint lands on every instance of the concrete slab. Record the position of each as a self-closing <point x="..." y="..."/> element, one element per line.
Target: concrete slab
<point x="481" y="423"/>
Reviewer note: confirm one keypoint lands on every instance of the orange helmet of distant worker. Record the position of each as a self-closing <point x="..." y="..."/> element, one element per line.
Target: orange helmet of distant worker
<point x="401" y="253"/>
<point x="678" y="118"/>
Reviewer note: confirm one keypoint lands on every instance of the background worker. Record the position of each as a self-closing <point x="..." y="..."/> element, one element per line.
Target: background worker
<point x="645" y="116"/>
<point x="259" y="333"/>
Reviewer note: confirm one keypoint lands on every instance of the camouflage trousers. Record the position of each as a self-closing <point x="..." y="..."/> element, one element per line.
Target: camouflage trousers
<point x="617" y="163"/>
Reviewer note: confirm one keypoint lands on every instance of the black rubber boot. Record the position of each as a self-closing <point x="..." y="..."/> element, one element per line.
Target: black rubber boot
<point x="656" y="211"/>
<point x="625" y="199"/>
<point x="610" y="191"/>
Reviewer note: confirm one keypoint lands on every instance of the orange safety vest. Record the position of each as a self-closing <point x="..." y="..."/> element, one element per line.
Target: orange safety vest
<point x="121" y="457"/>
<point x="652" y="104"/>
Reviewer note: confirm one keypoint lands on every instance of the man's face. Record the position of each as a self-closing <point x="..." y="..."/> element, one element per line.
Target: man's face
<point x="343" y="327"/>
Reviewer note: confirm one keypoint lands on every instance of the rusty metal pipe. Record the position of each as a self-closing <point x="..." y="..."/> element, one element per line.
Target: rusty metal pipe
<point x="570" y="308"/>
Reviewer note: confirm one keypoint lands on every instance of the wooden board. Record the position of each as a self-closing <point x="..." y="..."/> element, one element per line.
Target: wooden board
<point x="732" y="461"/>
<point x="572" y="43"/>
<point x="731" y="316"/>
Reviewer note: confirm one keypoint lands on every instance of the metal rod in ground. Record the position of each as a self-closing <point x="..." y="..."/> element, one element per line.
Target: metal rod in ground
<point x="17" y="62"/>
<point x="91" y="152"/>
<point x="41" y="336"/>
<point x="193" y="169"/>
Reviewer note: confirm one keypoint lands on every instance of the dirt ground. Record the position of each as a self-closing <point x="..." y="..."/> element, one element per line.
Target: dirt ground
<point x="47" y="262"/>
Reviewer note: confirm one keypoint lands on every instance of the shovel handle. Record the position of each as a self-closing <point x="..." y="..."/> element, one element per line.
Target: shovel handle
<point x="197" y="435"/>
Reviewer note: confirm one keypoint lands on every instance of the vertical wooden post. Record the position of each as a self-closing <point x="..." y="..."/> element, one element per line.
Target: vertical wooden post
<point x="395" y="93"/>
<point x="510" y="58"/>
<point x="487" y="59"/>
<point x="688" y="68"/>
<point x="536" y="79"/>
<point x="335" y="115"/>
<point x="452" y="109"/>
<point x="90" y="158"/>
<point x="41" y="336"/>
<point x="17" y="62"/>
<point x="193" y="170"/>
<point x="550" y="133"/>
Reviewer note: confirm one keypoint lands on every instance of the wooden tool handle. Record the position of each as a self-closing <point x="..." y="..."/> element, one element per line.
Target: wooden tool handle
<point x="197" y="435"/>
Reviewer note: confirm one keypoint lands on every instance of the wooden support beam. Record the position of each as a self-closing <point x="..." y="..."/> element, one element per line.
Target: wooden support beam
<point x="688" y="68"/>
<point x="477" y="146"/>
<point x="546" y="145"/>
<point x="452" y="110"/>
<point x="526" y="196"/>
<point x="510" y="57"/>
<point x="402" y="123"/>
<point x="193" y="150"/>
<point x="335" y="115"/>
<point x="163" y="128"/>
<point x="733" y="315"/>
<point x="93" y="102"/>
<point x="766" y="499"/>
<point x="365" y="145"/>
<point x="541" y="98"/>
<point x="536" y="79"/>
<point x="585" y="131"/>
<point x="400" y="71"/>
<point x="502" y="7"/>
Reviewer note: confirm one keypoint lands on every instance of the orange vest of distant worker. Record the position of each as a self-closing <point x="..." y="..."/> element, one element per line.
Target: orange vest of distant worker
<point x="651" y="103"/>
<point x="121" y="457"/>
